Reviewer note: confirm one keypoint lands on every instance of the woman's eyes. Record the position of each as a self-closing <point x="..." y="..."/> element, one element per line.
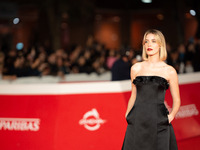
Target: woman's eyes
<point x="153" y="41"/>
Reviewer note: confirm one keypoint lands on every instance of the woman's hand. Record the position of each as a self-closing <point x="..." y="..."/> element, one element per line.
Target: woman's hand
<point x="170" y="118"/>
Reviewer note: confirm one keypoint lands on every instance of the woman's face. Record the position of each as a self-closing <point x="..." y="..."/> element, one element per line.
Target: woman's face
<point x="151" y="45"/>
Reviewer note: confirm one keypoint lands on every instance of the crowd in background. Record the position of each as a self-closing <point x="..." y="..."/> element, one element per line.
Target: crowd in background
<point x="41" y="60"/>
<point x="185" y="58"/>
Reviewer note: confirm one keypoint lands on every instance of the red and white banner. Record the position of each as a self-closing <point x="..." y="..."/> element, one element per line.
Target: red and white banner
<point x="83" y="116"/>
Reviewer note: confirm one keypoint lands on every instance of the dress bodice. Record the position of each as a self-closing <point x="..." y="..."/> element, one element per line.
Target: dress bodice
<point x="151" y="89"/>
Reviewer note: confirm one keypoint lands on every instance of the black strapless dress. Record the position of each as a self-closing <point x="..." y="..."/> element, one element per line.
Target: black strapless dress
<point x="148" y="126"/>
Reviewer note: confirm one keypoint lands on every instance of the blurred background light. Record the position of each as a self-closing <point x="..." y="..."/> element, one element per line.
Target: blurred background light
<point x="16" y="21"/>
<point x="192" y="12"/>
<point x="116" y="19"/>
<point x="98" y="17"/>
<point x="19" y="46"/>
<point x="146" y="1"/>
<point x="160" y="16"/>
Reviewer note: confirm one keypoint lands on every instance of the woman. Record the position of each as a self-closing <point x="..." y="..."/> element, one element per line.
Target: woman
<point x="149" y="122"/>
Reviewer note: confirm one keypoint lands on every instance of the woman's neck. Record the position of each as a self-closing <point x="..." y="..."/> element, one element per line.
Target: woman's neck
<point x="153" y="59"/>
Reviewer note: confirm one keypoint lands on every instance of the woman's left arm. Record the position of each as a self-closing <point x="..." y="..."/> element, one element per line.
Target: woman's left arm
<point x="174" y="89"/>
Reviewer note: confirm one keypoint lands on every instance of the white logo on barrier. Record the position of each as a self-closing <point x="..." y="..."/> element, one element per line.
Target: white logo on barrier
<point x="20" y="124"/>
<point x="185" y="111"/>
<point x="91" y="120"/>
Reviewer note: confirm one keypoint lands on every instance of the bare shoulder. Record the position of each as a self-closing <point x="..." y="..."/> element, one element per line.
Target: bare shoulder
<point x="135" y="69"/>
<point x="171" y="70"/>
<point x="172" y="74"/>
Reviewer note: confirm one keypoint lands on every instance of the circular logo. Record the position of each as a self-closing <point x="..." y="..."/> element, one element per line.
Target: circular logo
<point x="91" y="120"/>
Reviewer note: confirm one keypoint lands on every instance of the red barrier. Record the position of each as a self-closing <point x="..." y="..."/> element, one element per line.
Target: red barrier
<point x="62" y="124"/>
<point x="82" y="121"/>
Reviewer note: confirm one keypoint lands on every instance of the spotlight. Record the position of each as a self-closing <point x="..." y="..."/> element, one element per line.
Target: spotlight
<point x="193" y="12"/>
<point x="16" y="21"/>
<point x="146" y="1"/>
<point x="19" y="46"/>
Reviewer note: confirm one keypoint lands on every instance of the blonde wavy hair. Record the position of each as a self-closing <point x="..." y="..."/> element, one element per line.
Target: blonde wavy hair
<point x="160" y="39"/>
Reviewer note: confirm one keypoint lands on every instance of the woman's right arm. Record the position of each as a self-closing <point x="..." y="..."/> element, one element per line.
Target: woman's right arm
<point x="132" y="98"/>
